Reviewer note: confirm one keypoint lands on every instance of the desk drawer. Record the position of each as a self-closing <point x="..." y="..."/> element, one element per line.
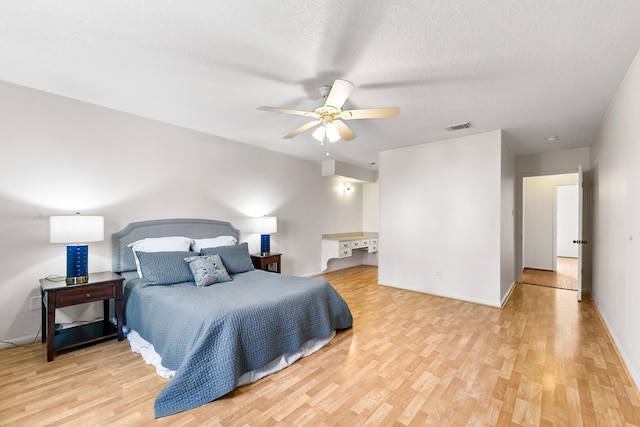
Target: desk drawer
<point x="82" y="294"/>
<point x="355" y="244"/>
<point x="345" y="244"/>
<point x="344" y="253"/>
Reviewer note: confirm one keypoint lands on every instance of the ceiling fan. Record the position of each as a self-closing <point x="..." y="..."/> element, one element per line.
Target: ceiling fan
<point x="328" y="114"/>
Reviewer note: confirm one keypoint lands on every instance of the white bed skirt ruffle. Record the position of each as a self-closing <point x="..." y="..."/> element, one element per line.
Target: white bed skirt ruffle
<point x="151" y="357"/>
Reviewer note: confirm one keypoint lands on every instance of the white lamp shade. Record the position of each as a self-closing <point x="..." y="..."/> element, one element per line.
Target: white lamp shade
<point x="76" y="229"/>
<point x="265" y="225"/>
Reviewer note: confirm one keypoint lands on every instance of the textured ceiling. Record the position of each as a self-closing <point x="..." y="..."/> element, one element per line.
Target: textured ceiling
<point x="531" y="68"/>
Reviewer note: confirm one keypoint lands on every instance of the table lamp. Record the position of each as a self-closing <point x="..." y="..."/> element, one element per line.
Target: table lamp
<point x="76" y="230"/>
<point x="265" y="226"/>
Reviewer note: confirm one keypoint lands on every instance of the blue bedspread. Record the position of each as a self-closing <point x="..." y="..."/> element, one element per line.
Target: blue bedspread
<point x="211" y="336"/>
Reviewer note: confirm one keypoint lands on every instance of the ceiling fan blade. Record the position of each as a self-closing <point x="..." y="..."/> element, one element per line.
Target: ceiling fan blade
<point x="339" y="93"/>
<point x="343" y="130"/>
<point x="289" y="111"/>
<point x="303" y="128"/>
<point x="371" y="113"/>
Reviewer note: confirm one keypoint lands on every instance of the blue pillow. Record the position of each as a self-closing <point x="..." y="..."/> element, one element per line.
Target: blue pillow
<point x="235" y="258"/>
<point x="165" y="268"/>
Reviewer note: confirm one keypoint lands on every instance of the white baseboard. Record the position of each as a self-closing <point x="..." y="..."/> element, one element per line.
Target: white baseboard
<point x="625" y="359"/>
<point x="508" y="295"/>
<point x="444" y="295"/>
<point x="15" y="342"/>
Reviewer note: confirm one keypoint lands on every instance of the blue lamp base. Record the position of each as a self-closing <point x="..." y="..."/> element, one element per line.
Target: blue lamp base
<point x="77" y="264"/>
<point x="265" y="244"/>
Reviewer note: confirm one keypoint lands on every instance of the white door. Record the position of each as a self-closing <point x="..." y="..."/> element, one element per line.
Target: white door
<point x="580" y="242"/>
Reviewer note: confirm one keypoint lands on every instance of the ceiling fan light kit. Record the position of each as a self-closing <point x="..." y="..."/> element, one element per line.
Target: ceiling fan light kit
<point x="328" y="114"/>
<point x="327" y="130"/>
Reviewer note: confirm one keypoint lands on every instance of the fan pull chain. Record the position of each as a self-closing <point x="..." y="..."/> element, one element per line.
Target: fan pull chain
<point x="325" y="140"/>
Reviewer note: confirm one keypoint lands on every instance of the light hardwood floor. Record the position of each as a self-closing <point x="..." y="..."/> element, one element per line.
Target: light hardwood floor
<point x="410" y="359"/>
<point x="566" y="276"/>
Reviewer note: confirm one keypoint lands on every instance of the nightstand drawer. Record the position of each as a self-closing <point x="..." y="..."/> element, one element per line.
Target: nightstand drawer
<point x="82" y="294"/>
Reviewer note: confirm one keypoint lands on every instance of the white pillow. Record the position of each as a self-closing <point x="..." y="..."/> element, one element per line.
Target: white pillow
<point x="213" y="242"/>
<point x="159" y="244"/>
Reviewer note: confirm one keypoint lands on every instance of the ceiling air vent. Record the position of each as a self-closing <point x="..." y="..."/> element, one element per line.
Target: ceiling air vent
<point x="466" y="125"/>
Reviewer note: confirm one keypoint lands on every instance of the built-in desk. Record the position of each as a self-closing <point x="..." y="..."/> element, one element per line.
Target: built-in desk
<point x="342" y="245"/>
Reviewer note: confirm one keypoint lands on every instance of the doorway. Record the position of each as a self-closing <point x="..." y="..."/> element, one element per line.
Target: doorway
<point x="550" y="227"/>
<point x="565" y="276"/>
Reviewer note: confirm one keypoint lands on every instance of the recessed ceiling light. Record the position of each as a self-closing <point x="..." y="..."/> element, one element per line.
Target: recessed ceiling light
<point x="552" y="138"/>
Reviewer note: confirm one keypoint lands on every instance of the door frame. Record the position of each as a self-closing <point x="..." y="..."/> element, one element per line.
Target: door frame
<point x="519" y="215"/>
<point x="580" y="232"/>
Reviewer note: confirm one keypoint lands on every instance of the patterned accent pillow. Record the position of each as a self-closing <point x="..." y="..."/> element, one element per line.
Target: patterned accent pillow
<point x="207" y="270"/>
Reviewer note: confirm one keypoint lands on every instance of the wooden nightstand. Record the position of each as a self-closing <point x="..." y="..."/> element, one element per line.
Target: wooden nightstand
<point x="270" y="262"/>
<point x="101" y="286"/>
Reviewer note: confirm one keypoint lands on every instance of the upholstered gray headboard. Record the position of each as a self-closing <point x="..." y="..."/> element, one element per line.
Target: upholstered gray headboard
<point x="122" y="257"/>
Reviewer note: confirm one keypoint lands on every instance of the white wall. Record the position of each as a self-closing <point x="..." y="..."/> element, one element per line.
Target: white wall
<point x="567" y="220"/>
<point x="553" y="163"/>
<point x="370" y="206"/>
<point x="507" y="218"/>
<point x="370" y="216"/>
<point x="60" y="156"/>
<point x="345" y="214"/>
<point x="440" y="218"/>
<point x="539" y="206"/>
<point x="616" y="238"/>
<point x="537" y="233"/>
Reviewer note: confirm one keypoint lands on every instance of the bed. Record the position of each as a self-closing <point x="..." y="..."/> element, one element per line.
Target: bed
<point x="215" y="337"/>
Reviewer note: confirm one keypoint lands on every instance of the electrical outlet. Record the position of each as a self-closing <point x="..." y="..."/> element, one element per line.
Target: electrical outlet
<point x="36" y="303"/>
<point x="438" y="274"/>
